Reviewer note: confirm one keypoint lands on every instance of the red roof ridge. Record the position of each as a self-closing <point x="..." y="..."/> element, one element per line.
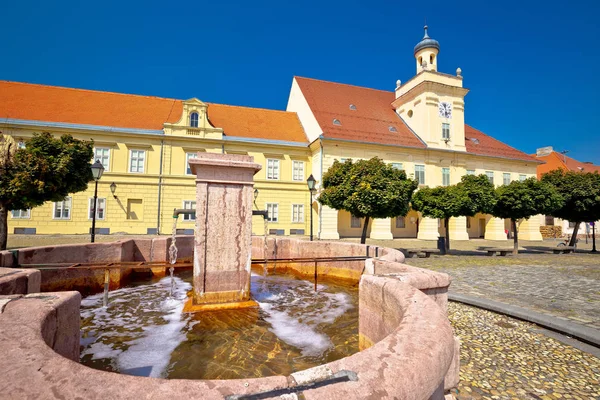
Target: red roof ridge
<point x="88" y="90"/>
<point x="344" y="84"/>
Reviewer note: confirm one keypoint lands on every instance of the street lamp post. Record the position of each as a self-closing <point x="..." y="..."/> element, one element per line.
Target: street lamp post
<point x="97" y="170"/>
<point x="311" y="187"/>
<point x="594" y="237"/>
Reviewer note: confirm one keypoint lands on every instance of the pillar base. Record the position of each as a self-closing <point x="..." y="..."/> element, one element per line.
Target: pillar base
<point x="530" y="236"/>
<point x="495" y="236"/>
<point x="381" y="235"/>
<point x="190" y="307"/>
<point x="462" y="235"/>
<point x="428" y="235"/>
<point x="329" y="236"/>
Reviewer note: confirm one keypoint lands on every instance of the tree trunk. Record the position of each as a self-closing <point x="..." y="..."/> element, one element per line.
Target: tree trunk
<point x="363" y="237"/>
<point x="515" y="236"/>
<point x="3" y="226"/>
<point x="447" y="222"/>
<point x="574" y="236"/>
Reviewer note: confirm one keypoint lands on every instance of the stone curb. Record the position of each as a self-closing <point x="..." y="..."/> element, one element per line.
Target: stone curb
<point x="581" y="332"/>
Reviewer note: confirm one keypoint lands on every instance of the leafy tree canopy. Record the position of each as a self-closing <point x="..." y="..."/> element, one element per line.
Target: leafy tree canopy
<point x="523" y="199"/>
<point x="367" y="188"/>
<point x="580" y="192"/>
<point x="440" y="202"/>
<point x="479" y="195"/>
<point x="47" y="169"/>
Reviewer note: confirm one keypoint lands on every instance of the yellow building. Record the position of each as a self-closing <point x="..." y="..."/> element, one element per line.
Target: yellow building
<point x="420" y="127"/>
<point x="144" y="144"/>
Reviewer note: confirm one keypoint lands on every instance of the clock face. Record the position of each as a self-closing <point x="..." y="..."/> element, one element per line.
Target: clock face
<point x="445" y="110"/>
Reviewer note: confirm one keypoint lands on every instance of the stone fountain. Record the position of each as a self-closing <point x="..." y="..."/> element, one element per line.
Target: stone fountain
<point x="223" y="233"/>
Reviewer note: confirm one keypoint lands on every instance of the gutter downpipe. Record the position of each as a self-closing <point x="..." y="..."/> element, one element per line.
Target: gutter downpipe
<point x="321" y="183"/>
<point x="160" y="172"/>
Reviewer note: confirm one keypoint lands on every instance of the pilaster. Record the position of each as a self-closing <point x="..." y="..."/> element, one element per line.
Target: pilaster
<point x="328" y="224"/>
<point x="428" y="229"/>
<point x="381" y="228"/>
<point x="529" y="229"/>
<point x="494" y="229"/>
<point x="458" y="228"/>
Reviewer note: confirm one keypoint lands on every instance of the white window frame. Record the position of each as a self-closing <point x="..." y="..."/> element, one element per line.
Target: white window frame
<point x="490" y="176"/>
<point x="398" y="166"/>
<point x="272" y="212"/>
<point x="91" y="205"/>
<point x="137" y="158"/>
<point x="189" y="205"/>
<point x="188" y="156"/>
<point x="400" y="222"/>
<point x="298" y="213"/>
<point x="21" y="144"/>
<point x="104" y="159"/>
<point x="21" y="214"/>
<point x="355" y="222"/>
<point x="197" y="121"/>
<point x="421" y="182"/>
<point x="522" y="177"/>
<point x="470" y="172"/>
<point x="67" y="199"/>
<point x="297" y="170"/>
<point x="445" y="131"/>
<point x="445" y="176"/>
<point x="504" y="176"/>
<point x="273" y="168"/>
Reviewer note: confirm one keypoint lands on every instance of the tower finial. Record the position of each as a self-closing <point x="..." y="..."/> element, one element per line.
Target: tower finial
<point x="426" y="35"/>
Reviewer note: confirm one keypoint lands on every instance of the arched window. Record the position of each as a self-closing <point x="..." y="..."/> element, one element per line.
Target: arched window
<point x="431" y="58"/>
<point x="194" y="120"/>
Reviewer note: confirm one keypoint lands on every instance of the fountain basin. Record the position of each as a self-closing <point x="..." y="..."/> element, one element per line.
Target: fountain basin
<point x="409" y="349"/>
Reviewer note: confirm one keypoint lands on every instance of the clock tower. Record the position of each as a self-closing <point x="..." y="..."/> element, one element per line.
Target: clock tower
<point x="432" y="103"/>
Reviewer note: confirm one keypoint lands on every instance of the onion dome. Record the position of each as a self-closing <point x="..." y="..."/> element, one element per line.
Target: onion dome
<point x="427" y="43"/>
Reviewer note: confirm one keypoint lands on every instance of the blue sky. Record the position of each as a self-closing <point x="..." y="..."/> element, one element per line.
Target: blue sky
<point x="531" y="66"/>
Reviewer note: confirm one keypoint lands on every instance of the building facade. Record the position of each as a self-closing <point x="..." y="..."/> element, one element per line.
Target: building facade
<point x="144" y="144"/>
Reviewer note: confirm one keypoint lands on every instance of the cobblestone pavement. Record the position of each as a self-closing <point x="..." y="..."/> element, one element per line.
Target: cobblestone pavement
<point x="504" y="358"/>
<point x="565" y="286"/>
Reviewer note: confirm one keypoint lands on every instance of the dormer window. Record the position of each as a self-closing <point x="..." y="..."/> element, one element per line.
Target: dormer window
<point x="352" y="107"/>
<point x="194" y="120"/>
<point x="392" y="129"/>
<point x="336" y="121"/>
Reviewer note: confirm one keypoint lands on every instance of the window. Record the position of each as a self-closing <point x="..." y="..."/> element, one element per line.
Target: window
<point x="62" y="209"/>
<point x="102" y="154"/>
<point x="392" y="129"/>
<point x="445" y="176"/>
<point x="272" y="212"/>
<point x="21" y="144"/>
<point x="420" y="174"/>
<point x="549" y="220"/>
<point x="23" y="214"/>
<point x="189" y="205"/>
<point x="188" y="170"/>
<point x="297" y="212"/>
<point x="343" y="160"/>
<point x="272" y="169"/>
<point x="571" y="224"/>
<point x="470" y="172"/>
<point x="397" y="165"/>
<point x="355" y="222"/>
<point x="194" y="120"/>
<point x="400" y="222"/>
<point x="490" y="175"/>
<point x="468" y="222"/>
<point x="352" y="107"/>
<point x="445" y="132"/>
<point x="522" y="177"/>
<point x="298" y="170"/>
<point x="505" y="178"/>
<point x="101" y="205"/>
<point x="336" y="121"/>
<point x="137" y="159"/>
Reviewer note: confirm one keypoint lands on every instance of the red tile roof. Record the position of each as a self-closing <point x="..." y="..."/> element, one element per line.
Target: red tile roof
<point x="34" y="102"/>
<point x="555" y="160"/>
<point x="479" y="143"/>
<point x="374" y="115"/>
<point x="370" y="121"/>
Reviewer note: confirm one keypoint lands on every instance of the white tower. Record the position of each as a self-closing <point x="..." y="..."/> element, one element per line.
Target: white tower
<point x="426" y="52"/>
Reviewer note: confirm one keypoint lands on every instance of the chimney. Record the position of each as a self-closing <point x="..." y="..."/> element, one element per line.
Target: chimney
<point x="543" y="151"/>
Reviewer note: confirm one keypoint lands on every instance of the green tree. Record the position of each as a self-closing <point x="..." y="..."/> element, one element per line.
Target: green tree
<point x="472" y="195"/>
<point x="47" y="169"/>
<point x="581" y="194"/>
<point x="367" y="189"/>
<point x="524" y="199"/>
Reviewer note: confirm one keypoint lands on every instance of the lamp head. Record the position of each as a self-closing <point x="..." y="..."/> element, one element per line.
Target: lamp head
<point x="113" y="189"/>
<point x="97" y="170"/>
<point x="255" y="194"/>
<point x="311" y="182"/>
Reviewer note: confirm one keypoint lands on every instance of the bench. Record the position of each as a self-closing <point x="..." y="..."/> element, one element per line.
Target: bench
<point x="423" y="253"/>
<point x="563" y="249"/>
<point x="502" y="252"/>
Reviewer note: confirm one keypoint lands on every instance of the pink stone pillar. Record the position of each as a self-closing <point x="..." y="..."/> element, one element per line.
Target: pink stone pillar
<point x="223" y="238"/>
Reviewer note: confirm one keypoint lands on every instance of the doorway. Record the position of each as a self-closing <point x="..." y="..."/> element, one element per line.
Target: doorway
<point x="481" y="227"/>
